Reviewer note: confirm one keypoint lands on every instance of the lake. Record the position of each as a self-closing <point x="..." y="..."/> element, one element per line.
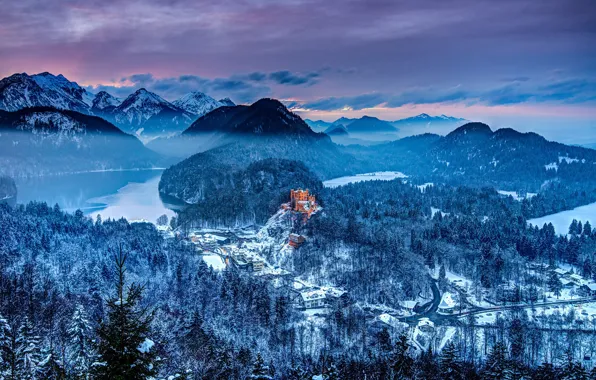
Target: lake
<point x="132" y="194"/>
<point x="562" y="220"/>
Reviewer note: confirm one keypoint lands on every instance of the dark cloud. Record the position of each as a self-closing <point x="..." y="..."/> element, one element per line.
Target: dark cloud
<point x="569" y="91"/>
<point x="288" y="78"/>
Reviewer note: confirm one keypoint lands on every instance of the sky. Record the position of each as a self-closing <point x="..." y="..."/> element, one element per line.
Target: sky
<point x="530" y="65"/>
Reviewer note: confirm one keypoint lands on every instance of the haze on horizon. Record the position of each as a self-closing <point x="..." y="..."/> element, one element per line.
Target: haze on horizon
<point x="529" y="65"/>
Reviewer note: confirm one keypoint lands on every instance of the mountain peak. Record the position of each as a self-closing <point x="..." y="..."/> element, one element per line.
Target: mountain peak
<point x="197" y="103"/>
<point x="473" y="130"/>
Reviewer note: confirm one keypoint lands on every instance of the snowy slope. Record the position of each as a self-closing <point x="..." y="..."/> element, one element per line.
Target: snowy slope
<point x="198" y="103"/>
<point x="21" y="90"/>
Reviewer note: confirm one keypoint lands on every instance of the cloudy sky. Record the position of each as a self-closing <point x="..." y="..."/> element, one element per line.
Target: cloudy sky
<point x="526" y="64"/>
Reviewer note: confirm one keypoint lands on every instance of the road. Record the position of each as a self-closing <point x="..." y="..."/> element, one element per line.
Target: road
<point x="437" y="318"/>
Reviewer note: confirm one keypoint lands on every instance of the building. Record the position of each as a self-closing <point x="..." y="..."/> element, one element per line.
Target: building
<point x="589" y="289"/>
<point x="447" y="305"/>
<point x="312" y="299"/>
<point x="296" y="240"/>
<point x="301" y="201"/>
<point x="257" y="265"/>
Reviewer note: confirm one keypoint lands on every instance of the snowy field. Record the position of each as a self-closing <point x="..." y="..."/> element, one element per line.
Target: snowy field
<point x="515" y="195"/>
<point x="380" y="176"/>
<point x="562" y="220"/>
<point x="214" y="261"/>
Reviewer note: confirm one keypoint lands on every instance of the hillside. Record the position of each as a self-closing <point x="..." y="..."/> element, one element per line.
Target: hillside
<point x="265" y="119"/>
<point x="475" y="155"/>
<point x="249" y="195"/>
<point x="44" y="140"/>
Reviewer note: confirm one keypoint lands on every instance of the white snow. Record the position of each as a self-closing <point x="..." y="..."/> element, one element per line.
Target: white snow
<point x="516" y="195"/>
<point x="197" y="103"/>
<point x="381" y="176"/>
<point x="214" y="261"/>
<point x="553" y="165"/>
<point x="146" y="346"/>
<point x="568" y="160"/>
<point x="563" y="219"/>
<point x="424" y="186"/>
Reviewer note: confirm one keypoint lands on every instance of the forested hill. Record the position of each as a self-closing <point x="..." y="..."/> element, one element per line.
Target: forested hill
<point x="264" y="130"/>
<point x="44" y="140"/>
<point x="475" y="155"/>
<point x="247" y="196"/>
<point x="266" y="118"/>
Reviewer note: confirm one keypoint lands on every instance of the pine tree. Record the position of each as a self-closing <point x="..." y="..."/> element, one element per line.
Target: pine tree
<point x="401" y="362"/>
<point x="6" y="352"/>
<point x="259" y="370"/>
<point x="449" y="365"/>
<point x="51" y="368"/>
<point x="81" y="351"/>
<point x="497" y="366"/>
<point x="124" y="347"/>
<point x="546" y="371"/>
<point x="28" y="352"/>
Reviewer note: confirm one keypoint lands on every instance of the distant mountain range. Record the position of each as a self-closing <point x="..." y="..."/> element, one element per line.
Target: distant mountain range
<point x="45" y="140"/>
<point x="373" y="125"/>
<point x="142" y="113"/>
<point x="473" y="154"/>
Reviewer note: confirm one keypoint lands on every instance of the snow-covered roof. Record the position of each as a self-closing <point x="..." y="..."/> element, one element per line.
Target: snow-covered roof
<point x="312" y="295"/>
<point x="560" y="271"/>
<point x="447" y="301"/>
<point x="425" y="322"/>
<point x="591" y="286"/>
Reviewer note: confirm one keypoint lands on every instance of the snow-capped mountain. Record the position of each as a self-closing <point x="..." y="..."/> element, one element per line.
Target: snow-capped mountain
<point x="199" y="103"/>
<point x="103" y="101"/>
<point x="22" y="90"/>
<point x="426" y="119"/>
<point x="227" y="102"/>
<point x="148" y="115"/>
<point x="143" y="113"/>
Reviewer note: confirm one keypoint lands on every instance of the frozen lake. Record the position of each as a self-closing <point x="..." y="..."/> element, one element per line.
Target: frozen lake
<point x="132" y="194"/>
<point x="381" y="176"/>
<point x="563" y="219"/>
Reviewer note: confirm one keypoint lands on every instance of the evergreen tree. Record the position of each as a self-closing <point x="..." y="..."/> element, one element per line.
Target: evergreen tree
<point x="546" y="371"/>
<point x="81" y="350"/>
<point x="51" y="368"/>
<point x="28" y="352"/>
<point x="449" y="364"/>
<point x="554" y="285"/>
<point x="401" y="362"/>
<point x="497" y="366"/>
<point x="259" y="370"/>
<point x="6" y="353"/>
<point x="124" y="347"/>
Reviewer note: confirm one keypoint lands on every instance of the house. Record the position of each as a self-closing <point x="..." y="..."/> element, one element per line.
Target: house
<point x="312" y="299"/>
<point x="257" y="265"/>
<point x="337" y="297"/>
<point x="408" y="305"/>
<point x="296" y="240"/>
<point x="561" y="272"/>
<point x="240" y="261"/>
<point x="567" y="283"/>
<point x="447" y="305"/>
<point x="426" y="325"/>
<point x="589" y="289"/>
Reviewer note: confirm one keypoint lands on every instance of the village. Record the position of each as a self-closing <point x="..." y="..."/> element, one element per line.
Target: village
<point x="429" y="322"/>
